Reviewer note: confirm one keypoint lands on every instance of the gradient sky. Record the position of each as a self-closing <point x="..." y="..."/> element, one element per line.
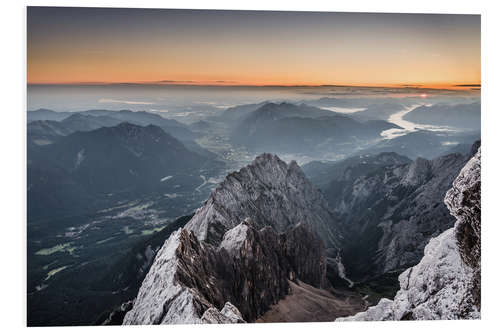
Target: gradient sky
<point x="85" y="45"/>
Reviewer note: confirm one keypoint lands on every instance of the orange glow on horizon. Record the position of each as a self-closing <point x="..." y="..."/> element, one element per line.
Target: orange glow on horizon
<point x="222" y="83"/>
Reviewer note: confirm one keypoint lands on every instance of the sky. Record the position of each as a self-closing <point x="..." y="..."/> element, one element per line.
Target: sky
<point x="162" y="46"/>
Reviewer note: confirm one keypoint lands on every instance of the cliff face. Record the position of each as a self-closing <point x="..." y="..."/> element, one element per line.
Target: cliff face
<point x="464" y="202"/>
<point x="247" y="272"/>
<point x="445" y="284"/>
<point x="393" y="210"/>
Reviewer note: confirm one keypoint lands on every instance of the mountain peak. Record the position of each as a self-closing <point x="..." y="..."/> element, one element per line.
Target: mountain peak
<point x="271" y="193"/>
<point x="77" y="115"/>
<point x="131" y="130"/>
<point x="268" y="160"/>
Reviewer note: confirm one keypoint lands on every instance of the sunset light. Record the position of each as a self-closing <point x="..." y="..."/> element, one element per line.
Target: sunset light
<point x="99" y="45"/>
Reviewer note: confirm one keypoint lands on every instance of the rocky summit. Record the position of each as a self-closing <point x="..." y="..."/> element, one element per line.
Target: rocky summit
<point x="445" y="284"/>
<point x="271" y="193"/>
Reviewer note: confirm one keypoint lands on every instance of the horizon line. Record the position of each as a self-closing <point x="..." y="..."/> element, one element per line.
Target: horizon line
<point x="434" y="86"/>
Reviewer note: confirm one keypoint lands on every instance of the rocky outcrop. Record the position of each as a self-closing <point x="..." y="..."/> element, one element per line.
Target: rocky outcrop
<point x="464" y="202"/>
<point x="394" y="210"/>
<point x="249" y="268"/>
<point x="445" y="284"/>
<point x="271" y="193"/>
<point x="228" y="315"/>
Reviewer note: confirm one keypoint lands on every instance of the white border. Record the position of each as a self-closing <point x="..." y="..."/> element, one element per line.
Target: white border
<point x="13" y="216"/>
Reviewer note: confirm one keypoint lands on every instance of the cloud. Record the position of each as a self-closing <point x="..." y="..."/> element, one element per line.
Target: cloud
<point x="107" y="100"/>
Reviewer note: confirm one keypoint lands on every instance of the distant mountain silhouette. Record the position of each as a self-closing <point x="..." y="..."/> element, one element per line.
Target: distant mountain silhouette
<point x="287" y="127"/>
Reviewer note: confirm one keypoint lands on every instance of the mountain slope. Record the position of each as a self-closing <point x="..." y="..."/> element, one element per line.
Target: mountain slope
<point x="237" y="113"/>
<point x="271" y="193"/>
<point x="423" y="143"/>
<point x="322" y="173"/>
<point x="84" y="123"/>
<point x="393" y="210"/>
<point x="126" y="158"/>
<point x="44" y="132"/>
<point x="287" y="127"/>
<point x="120" y="157"/>
<point x="143" y="118"/>
<point x="465" y="116"/>
<point x="445" y="284"/>
<point x="45" y="114"/>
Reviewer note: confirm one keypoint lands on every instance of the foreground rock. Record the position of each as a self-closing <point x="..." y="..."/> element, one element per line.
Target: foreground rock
<point x="228" y="315"/>
<point x="446" y="282"/>
<point x="190" y="280"/>
<point x="464" y="202"/>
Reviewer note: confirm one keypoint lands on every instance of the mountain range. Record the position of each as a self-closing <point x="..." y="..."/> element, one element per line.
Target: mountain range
<point x="123" y="158"/>
<point x="393" y="205"/>
<point x="289" y="128"/>
<point x="93" y="119"/>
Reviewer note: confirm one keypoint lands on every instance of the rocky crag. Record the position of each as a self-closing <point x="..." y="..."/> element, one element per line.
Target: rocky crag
<point x="271" y="193"/>
<point x="445" y="284"/>
<point x="250" y="269"/>
<point x="263" y="228"/>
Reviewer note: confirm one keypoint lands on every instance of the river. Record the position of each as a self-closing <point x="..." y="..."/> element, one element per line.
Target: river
<point x="408" y="126"/>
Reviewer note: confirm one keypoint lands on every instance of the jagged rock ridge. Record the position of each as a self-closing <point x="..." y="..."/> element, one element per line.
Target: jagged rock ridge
<point x="446" y="282"/>
<point x="271" y="193"/>
<point x="191" y="279"/>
